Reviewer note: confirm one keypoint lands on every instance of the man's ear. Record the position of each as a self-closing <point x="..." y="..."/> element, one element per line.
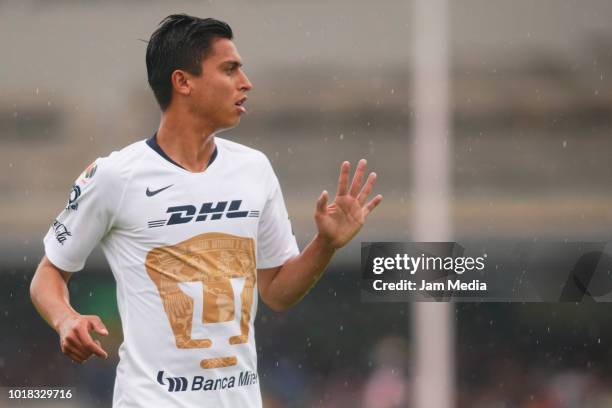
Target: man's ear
<point x="180" y="82"/>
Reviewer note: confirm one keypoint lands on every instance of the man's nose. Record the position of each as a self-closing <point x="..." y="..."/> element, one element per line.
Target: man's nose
<point x="245" y="85"/>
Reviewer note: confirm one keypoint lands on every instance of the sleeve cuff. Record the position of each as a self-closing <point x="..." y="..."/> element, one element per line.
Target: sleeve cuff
<point x="61" y="263"/>
<point x="277" y="261"/>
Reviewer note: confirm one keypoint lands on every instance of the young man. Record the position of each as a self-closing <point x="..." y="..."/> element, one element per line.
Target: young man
<point x="193" y="227"/>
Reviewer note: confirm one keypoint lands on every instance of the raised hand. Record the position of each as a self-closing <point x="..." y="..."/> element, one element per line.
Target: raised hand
<point x="341" y="220"/>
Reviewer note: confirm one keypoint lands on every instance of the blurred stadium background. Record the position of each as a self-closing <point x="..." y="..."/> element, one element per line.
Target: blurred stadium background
<point x="531" y="121"/>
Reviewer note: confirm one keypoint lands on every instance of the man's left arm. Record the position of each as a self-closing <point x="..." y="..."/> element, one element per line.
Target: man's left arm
<point x="337" y="223"/>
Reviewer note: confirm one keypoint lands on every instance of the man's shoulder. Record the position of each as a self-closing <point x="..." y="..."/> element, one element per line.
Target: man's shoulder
<point x="126" y="157"/>
<point x="116" y="168"/>
<point x="245" y="152"/>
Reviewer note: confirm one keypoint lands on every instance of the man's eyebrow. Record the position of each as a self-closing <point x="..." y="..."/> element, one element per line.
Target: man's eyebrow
<point x="232" y="64"/>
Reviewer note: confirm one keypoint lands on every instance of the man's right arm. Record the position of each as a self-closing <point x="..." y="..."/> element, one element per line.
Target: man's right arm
<point x="49" y="293"/>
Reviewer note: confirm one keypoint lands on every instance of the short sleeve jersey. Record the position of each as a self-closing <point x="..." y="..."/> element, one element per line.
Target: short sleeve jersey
<point x="184" y="249"/>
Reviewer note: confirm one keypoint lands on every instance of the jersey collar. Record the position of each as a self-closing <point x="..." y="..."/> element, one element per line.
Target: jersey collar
<point x="152" y="142"/>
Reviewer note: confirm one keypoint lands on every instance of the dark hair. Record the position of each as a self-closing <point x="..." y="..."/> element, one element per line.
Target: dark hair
<point x="180" y="42"/>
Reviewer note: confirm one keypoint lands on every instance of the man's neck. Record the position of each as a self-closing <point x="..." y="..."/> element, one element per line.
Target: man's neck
<point x="188" y="145"/>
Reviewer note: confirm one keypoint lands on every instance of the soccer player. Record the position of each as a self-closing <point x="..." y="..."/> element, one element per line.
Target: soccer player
<point x="195" y="229"/>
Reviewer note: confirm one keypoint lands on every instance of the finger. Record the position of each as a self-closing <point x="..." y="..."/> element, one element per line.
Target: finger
<point x="358" y="177"/>
<point x="72" y="342"/>
<point x="89" y="344"/>
<point x="322" y="202"/>
<point x="98" y="326"/>
<point x="76" y="355"/>
<point x="73" y="345"/>
<point x="373" y="204"/>
<point x="367" y="188"/>
<point x="343" y="179"/>
<point x="75" y="358"/>
<point x="81" y="355"/>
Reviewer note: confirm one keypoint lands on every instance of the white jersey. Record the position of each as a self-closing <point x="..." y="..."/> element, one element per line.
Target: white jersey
<point x="184" y="249"/>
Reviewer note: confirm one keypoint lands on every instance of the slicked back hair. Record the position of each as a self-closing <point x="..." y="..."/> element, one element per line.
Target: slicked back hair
<point x="180" y="42"/>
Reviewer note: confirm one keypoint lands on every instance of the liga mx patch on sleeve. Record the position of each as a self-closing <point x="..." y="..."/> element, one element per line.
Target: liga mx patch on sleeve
<point x="77" y="187"/>
<point x="90" y="171"/>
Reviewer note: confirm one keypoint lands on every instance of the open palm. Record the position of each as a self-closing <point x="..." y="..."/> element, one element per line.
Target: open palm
<point x="341" y="220"/>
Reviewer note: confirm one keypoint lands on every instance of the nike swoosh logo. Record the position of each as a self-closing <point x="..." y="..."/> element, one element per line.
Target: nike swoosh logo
<point x="152" y="193"/>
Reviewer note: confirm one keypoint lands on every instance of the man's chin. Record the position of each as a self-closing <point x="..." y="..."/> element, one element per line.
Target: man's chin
<point x="229" y="125"/>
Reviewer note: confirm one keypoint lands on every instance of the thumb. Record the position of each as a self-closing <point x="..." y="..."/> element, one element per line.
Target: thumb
<point x="322" y="202"/>
<point x="98" y="326"/>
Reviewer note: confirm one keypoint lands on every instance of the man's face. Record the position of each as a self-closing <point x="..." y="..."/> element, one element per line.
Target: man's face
<point x="218" y="93"/>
